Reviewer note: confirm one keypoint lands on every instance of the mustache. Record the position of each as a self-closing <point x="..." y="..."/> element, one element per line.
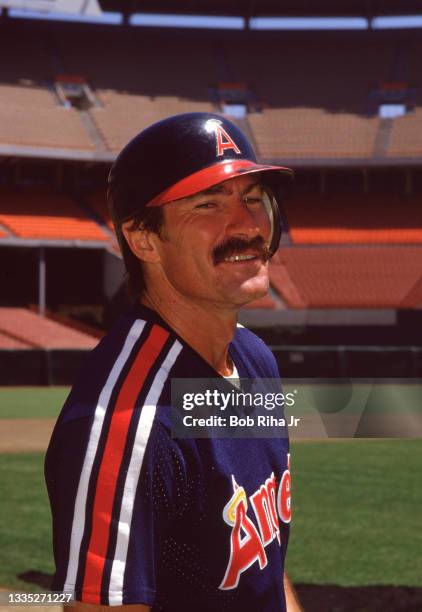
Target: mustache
<point x="237" y="246"/>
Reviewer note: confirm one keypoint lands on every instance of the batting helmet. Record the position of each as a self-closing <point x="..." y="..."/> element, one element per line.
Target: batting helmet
<point x="180" y="156"/>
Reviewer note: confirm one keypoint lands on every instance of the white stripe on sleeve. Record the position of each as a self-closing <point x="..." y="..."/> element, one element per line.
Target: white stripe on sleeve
<point x="78" y="524"/>
<point x="141" y="439"/>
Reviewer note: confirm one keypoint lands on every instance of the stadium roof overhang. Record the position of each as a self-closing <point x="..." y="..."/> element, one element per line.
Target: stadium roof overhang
<point x="79" y="155"/>
<point x="262" y="8"/>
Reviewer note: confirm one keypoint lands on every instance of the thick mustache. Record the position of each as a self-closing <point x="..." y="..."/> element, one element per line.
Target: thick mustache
<point x="237" y="246"/>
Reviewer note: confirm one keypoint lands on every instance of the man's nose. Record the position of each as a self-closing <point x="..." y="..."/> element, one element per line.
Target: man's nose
<point x="242" y="221"/>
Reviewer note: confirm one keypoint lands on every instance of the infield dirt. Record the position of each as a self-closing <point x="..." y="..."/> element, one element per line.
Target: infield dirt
<point x="23" y="435"/>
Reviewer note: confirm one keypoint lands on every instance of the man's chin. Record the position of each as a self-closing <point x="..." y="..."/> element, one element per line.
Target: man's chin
<point x="251" y="290"/>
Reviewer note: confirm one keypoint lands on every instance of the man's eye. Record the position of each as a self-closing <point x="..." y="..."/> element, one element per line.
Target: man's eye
<point x="206" y="205"/>
<point x="254" y="201"/>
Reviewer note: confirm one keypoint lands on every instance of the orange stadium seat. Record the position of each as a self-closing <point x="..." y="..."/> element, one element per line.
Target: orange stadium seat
<point x="21" y="328"/>
<point x="10" y="341"/>
<point x="414" y="298"/>
<point x="40" y="213"/>
<point x="356" y="219"/>
<point x="346" y="276"/>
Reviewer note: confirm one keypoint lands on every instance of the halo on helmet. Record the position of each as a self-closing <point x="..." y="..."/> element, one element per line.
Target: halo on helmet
<point x="208" y="177"/>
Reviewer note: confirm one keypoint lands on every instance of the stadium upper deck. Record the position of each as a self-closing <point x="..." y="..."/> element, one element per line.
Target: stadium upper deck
<point x="321" y="90"/>
<point x="312" y="99"/>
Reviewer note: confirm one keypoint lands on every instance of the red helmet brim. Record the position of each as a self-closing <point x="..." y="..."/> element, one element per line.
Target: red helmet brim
<point x="208" y="177"/>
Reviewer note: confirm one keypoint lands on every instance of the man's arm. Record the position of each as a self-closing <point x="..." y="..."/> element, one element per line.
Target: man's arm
<point x="292" y="601"/>
<point x="84" y="607"/>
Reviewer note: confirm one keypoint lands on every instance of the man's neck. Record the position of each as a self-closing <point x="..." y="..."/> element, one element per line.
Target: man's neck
<point x="207" y="329"/>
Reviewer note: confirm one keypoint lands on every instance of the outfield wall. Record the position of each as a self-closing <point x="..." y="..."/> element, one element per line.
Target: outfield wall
<point x="61" y="366"/>
<point x="40" y="367"/>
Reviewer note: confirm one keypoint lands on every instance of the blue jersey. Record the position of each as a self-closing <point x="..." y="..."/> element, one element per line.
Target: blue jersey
<point x="140" y="517"/>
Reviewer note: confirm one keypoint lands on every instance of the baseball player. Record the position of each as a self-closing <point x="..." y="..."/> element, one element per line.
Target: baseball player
<point x="141" y="518"/>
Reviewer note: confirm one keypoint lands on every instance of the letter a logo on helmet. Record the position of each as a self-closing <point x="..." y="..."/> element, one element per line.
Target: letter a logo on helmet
<point x="222" y="138"/>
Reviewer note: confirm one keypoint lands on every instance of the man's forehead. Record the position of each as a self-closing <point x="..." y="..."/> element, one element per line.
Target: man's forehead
<point x="226" y="187"/>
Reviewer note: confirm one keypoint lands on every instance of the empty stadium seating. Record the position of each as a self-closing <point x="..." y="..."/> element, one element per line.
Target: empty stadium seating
<point x="139" y="79"/>
<point x="8" y="342"/>
<point x="41" y="213"/>
<point x="313" y="87"/>
<point x="123" y="115"/>
<point x="345" y="218"/>
<point x="406" y="138"/>
<point x="315" y="133"/>
<point x="312" y="92"/>
<point x="32" y="116"/>
<point x="22" y="329"/>
<point x="347" y="276"/>
<point x="413" y="299"/>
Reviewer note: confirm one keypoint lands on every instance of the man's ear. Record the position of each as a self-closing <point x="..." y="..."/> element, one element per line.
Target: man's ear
<point x="142" y="243"/>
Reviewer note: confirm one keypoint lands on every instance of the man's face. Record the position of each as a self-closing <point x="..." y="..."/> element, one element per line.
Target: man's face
<point x="213" y="246"/>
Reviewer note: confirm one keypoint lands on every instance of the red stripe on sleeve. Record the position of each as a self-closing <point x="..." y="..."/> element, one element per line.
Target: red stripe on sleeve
<point x="111" y="462"/>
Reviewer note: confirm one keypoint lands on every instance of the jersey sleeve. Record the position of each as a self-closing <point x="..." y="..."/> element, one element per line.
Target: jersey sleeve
<point x="109" y="526"/>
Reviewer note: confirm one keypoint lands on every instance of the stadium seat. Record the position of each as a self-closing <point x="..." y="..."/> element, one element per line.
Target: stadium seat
<point x="41" y="213"/>
<point x="20" y="328"/>
<point x="347" y="276"/>
<point x="123" y="115"/>
<point x="312" y="133"/>
<point x="32" y="117"/>
<point x="354" y="219"/>
<point x="405" y="138"/>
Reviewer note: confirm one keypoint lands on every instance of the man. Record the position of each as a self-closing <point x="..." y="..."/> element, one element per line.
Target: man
<point x="141" y="518"/>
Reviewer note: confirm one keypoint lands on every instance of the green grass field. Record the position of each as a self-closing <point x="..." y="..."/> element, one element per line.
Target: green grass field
<point x="31" y="402"/>
<point x="356" y="507"/>
<point x="357" y="513"/>
<point x="25" y="525"/>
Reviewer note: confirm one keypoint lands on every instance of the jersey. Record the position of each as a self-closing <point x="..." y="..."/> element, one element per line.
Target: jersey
<point x="142" y="517"/>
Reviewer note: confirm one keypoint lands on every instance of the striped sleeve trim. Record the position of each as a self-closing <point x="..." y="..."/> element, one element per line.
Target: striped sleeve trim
<point x="142" y="366"/>
<point x="141" y="439"/>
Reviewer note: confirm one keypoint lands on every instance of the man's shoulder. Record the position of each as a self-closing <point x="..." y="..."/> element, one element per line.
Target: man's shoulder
<point x="137" y="353"/>
<point x="137" y="329"/>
